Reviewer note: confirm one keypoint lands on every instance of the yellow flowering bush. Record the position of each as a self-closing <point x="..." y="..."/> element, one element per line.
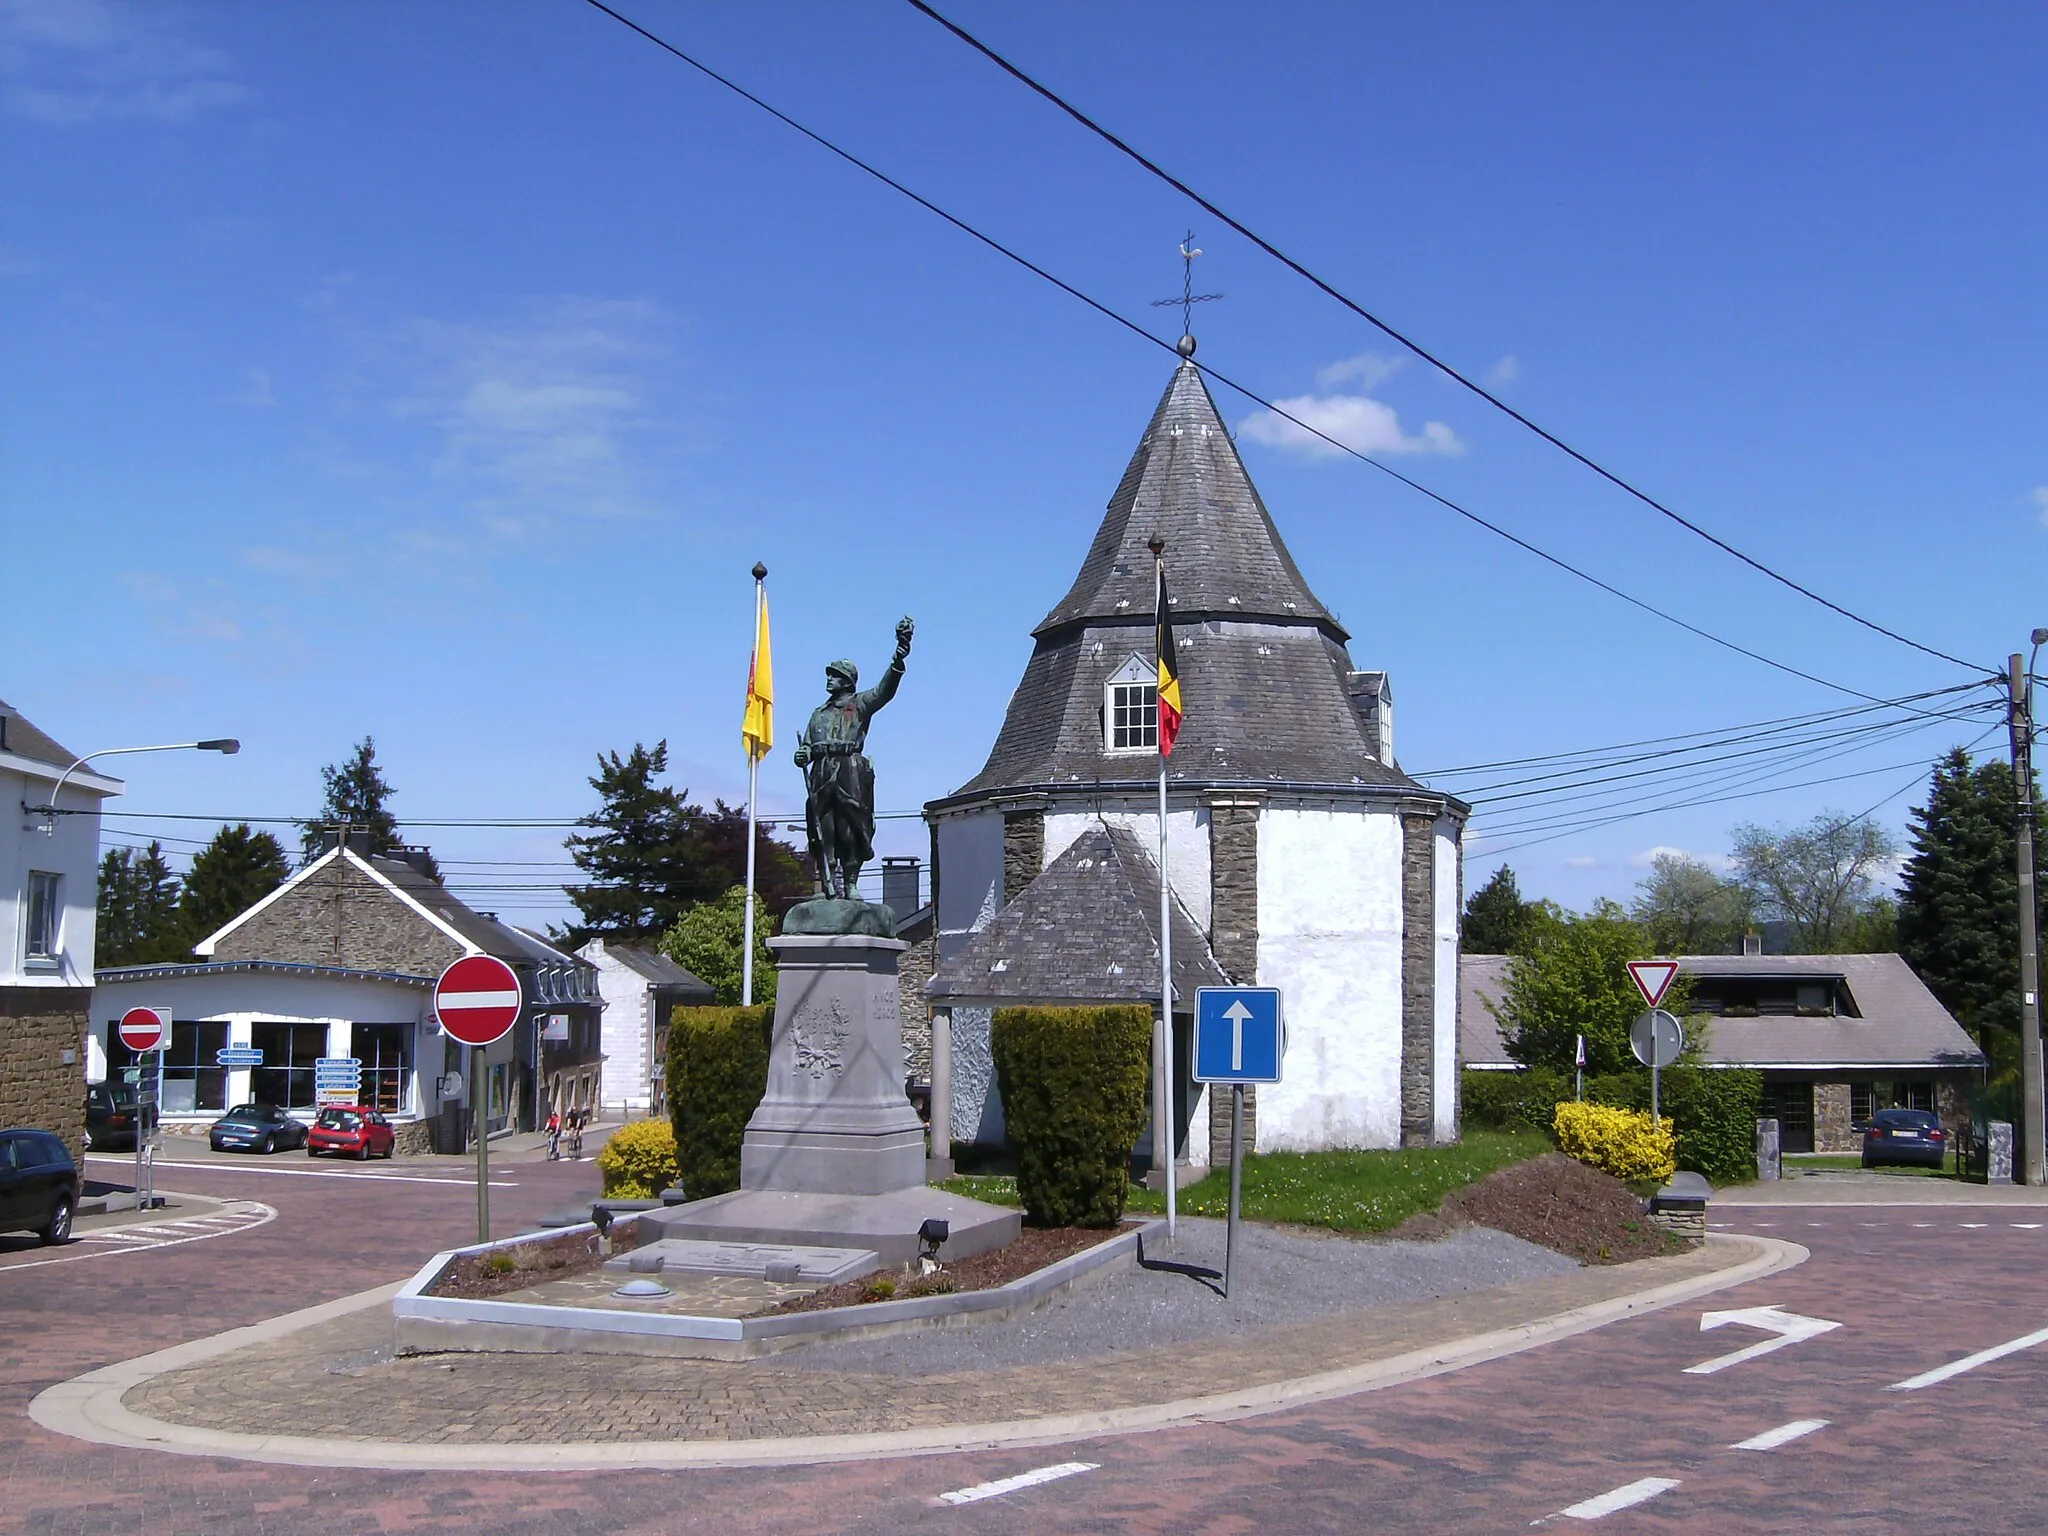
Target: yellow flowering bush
<point x="639" y="1161"/>
<point x="1623" y="1142"/>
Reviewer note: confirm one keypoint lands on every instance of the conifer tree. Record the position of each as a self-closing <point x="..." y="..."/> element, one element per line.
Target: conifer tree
<point x="356" y="792"/>
<point x="228" y="876"/>
<point x="1496" y="917"/>
<point x="138" y="920"/>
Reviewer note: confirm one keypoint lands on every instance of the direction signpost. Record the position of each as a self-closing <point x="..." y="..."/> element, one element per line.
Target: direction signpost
<point x="146" y="1031"/>
<point x="238" y="1056"/>
<point x="1239" y="1038"/>
<point x="477" y="1000"/>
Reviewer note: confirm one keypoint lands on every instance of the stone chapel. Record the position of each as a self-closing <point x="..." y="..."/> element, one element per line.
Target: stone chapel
<point x="1300" y="855"/>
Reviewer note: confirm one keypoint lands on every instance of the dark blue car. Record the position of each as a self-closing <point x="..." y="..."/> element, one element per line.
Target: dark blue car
<point x="1910" y="1138"/>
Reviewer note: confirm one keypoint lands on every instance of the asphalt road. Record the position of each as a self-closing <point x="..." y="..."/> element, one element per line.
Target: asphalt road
<point x="1609" y="1429"/>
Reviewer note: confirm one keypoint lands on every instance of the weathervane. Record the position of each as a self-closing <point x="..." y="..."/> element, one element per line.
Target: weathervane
<point x="1188" y="297"/>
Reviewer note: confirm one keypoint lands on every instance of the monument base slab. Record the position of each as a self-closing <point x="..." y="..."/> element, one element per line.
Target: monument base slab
<point x="887" y="1223"/>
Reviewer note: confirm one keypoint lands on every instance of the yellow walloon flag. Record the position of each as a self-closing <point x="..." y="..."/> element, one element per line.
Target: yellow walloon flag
<point x="758" y="732"/>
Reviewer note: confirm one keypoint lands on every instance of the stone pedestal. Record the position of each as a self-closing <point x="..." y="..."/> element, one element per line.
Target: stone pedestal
<point x="835" y="1118"/>
<point x="1769" y="1161"/>
<point x="1998" y="1153"/>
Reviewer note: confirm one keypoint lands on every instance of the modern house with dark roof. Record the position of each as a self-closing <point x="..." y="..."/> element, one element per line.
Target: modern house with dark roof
<point x="49" y="900"/>
<point x="1835" y="1036"/>
<point x="640" y="986"/>
<point x="1300" y="855"/>
<point x="339" y="962"/>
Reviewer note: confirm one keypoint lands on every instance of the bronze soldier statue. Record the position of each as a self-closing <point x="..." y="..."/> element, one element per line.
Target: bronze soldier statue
<point x="839" y="803"/>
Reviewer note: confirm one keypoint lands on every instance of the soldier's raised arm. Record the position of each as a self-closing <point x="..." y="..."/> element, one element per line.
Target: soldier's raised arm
<point x="872" y="699"/>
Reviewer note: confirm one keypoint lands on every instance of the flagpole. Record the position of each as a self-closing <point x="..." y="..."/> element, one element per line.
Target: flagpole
<point x="753" y="785"/>
<point x="1164" y="1136"/>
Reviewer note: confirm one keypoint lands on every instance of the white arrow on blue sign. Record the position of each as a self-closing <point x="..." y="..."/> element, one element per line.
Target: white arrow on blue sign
<point x="238" y="1056"/>
<point x="1239" y="1035"/>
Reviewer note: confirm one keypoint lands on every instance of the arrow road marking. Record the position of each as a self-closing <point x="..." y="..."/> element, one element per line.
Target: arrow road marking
<point x="1238" y="1014"/>
<point x="1942" y="1373"/>
<point x="1789" y="1327"/>
<point x="1784" y="1434"/>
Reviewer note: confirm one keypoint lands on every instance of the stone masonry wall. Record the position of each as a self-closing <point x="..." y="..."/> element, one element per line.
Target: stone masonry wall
<point x="1831" y="1121"/>
<point x="1234" y="939"/>
<point x="37" y="1026"/>
<point x="913" y="970"/>
<point x="1418" y="980"/>
<point x="1023" y="851"/>
<point x="340" y="916"/>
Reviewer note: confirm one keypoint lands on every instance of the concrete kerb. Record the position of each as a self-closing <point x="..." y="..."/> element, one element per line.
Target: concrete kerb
<point x="89" y="1407"/>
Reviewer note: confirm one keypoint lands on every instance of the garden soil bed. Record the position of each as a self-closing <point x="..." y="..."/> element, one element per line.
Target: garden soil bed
<point x="1034" y="1249"/>
<point x="480" y="1276"/>
<point x="1559" y="1204"/>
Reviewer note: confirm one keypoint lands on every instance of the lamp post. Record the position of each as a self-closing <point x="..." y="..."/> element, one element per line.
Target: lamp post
<point x="227" y="746"/>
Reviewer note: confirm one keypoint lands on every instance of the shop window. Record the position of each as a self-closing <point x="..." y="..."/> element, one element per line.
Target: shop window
<point x="193" y="1080"/>
<point x="385" y="1051"/>
<point x="289" y="1051"/>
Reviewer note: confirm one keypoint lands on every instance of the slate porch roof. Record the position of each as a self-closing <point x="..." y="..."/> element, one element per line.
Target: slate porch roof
<point x="1265" y="675"/>
<point x="1901" y="1025"/>
<point x="1085" y="931"/>
<point x="653" y="966"/>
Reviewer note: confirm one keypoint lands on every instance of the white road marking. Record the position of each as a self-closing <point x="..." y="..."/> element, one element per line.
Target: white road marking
<point x="324" y="1173"/>
<point x="1628" y="1495"/>
<point x="2027" y="1226"/>
<point x="1004" y="1485"/>
<point x="1972" y="1226"/>
<point x="257" y="1215"/>
<point x="1784" y="1434"/>
<point x="1790" y="1328"/>
<point x="1942" y="1373"/>
<point x="1923" y="1223"/>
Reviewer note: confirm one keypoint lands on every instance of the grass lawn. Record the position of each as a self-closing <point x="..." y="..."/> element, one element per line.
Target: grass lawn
<point x="1346" y="1191"/>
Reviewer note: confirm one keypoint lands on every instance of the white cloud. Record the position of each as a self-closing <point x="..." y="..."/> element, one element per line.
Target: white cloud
<point x="1649" y="856"/>
<point x="1358" y="422"/>
<point x="1506" y="371"/>
<point x="256" y="388"/>
<point x="1366" y="370"/>
<point x="208" y="615"/>
<point x="1581" y="861"/>
<point x="66" y="62"/>
<point x="2039" y="495"/>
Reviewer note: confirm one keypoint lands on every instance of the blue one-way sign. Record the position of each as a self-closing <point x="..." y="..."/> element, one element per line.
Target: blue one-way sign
<point x="1238" y="1035"/>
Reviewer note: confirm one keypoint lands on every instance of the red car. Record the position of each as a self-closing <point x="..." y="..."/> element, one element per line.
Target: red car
<point x="351" y="1129"/>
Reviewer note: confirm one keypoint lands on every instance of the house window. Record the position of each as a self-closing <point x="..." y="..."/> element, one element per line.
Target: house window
<point x="44" y="915"/>
<point x="1816" y="1000"/>
<point x="1860" y="1106"/>
<point x="1130" y="708"/>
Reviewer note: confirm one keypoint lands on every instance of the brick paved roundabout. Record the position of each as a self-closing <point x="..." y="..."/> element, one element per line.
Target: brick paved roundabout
<point x="1604" y="1423"/>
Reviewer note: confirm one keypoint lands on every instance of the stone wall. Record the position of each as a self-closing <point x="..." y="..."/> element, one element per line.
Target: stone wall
<point x="341" y="916"/>
<point x="1952" y="1103"/>
<point x="1234" y="940"/>
<point x="37" y="1086"/>
<point x="1832" y="1121"/>
<point x="1418" y="980"/>
<point x="913" y="970"/>
<point x="1023" y="851"/>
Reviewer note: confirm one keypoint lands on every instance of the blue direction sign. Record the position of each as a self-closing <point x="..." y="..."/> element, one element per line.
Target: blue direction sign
<point x="1239" y="1037"/>
<point x="238" y="1056"/>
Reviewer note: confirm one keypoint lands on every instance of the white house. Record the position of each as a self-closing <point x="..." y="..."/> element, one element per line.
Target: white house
<point x="1300" y="855"/>
<point x="49" y="898"/>
<point x="639" y="987"/>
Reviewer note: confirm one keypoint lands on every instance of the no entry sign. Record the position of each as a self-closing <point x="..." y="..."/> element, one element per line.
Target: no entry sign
<point x="477" y="999"/>
<point x="145" y="1029"/>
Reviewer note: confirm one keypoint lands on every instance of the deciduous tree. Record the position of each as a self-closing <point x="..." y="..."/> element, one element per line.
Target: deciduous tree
<point x="706" y="941"/>
<point x="1821" y="878"/>
<point x="1688" y="909"/>
<point x="1570" y="978"/>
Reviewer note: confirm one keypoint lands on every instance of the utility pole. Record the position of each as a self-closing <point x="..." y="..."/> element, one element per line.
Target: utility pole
<point x="2020" y="716"/>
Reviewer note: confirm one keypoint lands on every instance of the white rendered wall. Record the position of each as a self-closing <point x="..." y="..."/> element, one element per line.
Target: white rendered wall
<point x="1187" y="846"/>
<point x="1446" y="1042"/>
<point x="1330" y="939"/>
<point x="624" y="1030"/>
<point x="71" y="852"/>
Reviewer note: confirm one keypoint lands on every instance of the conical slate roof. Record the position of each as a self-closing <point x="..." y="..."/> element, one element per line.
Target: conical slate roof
<point x="1103" y="887"/>
<point x="1224" y="557"/>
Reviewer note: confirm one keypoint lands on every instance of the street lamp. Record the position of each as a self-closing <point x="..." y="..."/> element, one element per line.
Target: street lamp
<point x="227" y="746"/>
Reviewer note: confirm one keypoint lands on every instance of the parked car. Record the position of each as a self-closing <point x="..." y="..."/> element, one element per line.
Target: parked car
<point x="38" y="1185"/>
<point x="256" y="1128"/>
<point x="349" y="1128"/>
<point x="110" y="1117"/>
<point x="1906" y="1137"/>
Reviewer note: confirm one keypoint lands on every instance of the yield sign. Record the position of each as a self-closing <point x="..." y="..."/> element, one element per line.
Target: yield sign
<point x="1653" y="978"/>
<point x="1790" y="1328"/>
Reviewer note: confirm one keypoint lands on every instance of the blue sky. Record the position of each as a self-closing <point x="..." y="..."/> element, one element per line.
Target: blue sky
<point x="437" y="371"/>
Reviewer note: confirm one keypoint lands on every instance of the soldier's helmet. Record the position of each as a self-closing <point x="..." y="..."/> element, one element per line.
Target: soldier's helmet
<point x="843" y="670"/>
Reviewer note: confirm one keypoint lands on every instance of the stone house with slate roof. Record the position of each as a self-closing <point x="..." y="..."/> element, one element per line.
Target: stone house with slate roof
<point x="340" y="962"/>
<point x="1301" y="856"/>
<point x="641" y="988"/>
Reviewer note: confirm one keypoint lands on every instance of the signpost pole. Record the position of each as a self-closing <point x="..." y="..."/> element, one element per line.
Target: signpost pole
<point x="483" y="1143"/>
<point x="1236" y="1186"/>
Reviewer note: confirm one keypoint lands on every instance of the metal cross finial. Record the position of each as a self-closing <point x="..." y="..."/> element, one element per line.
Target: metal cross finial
<point x="1188" y="297"/>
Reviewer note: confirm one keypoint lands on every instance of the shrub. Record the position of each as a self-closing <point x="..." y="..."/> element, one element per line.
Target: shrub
<point x="1622" y="1142"/>
<point x="1524" y="1100"/>
<point x="639" y="1161"/>
<point x="717" y="1072"/>
<point x="1073" y="1083"/>
<point x="1713" y="1109"/>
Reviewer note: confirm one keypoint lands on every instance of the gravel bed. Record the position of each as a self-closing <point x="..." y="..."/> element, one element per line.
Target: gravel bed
<point x="1282" y="1277"/>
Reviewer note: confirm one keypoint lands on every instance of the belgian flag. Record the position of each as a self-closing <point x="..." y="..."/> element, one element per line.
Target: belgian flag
<point x="1169" y="669"/>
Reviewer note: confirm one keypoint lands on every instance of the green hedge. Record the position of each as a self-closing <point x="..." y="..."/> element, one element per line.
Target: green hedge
<point x="1073" y="1082"/>
<point x="717" y="1072"/>
<point x="1713" y="1109"/>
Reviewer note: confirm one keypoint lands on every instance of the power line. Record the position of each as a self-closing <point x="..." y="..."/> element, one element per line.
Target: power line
<point x="1419" y="350"/>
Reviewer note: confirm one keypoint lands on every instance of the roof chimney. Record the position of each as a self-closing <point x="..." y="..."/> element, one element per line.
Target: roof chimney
<point x="900" y="885"/>
<point x="1752" y="943"/>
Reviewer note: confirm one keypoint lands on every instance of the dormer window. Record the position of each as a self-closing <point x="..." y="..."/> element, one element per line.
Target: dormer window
<point x="1130" y="708"/>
